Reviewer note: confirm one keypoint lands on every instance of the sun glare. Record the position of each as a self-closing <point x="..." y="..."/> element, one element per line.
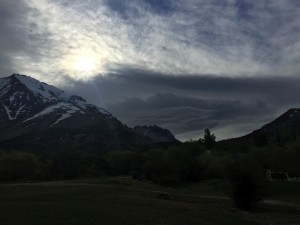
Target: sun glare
<point x="85" y="64"/>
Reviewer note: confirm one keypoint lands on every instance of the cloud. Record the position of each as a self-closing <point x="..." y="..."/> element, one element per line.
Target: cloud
<point x="14" y="36"/>
<point x="228" y="38"/>
<point x="184" y="114"/>
<point x="188" y="104"/>
<point x="275" y="89"/>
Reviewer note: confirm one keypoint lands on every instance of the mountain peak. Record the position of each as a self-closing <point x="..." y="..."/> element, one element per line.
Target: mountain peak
<point x="45" y="91"/>
<point x="286" y="119"/>
<point x="16" y="74"/>
<point x="291" y="119"/>
<point x="35" y="115"/>
<point x="23" y="97"/>
<point x="156" y="134"/>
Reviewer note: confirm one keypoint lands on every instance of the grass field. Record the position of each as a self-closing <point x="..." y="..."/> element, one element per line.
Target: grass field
<point x="113" y="201"/>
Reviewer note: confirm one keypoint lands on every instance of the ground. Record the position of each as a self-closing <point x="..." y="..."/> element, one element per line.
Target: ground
<point x="113" y="201"/>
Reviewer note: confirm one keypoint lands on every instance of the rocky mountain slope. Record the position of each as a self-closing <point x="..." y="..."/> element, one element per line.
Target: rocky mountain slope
<point x="156" y="134"/>
<point x="283" y="129"/>
<point x="35" y="115"/>
<point x="290" y="119"/>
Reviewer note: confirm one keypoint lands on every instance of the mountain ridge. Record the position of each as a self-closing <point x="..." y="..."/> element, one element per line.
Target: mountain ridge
<point x="290" y="118"/>
<point x="283" y="129"/>
<point x="34" y="114"/>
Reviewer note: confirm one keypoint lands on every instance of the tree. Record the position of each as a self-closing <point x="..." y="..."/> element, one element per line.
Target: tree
<point x="209" y="139"/>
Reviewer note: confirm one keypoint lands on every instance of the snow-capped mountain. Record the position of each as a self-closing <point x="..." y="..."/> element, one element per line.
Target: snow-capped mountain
<point x="22" y="96"/>
<point x="35" y="114"/>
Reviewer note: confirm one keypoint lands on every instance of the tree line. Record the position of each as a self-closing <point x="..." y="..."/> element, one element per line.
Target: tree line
<point x="243" y="167"/>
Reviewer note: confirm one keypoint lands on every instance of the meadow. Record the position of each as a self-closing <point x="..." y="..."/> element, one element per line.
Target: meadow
<point x="123" y="200"/>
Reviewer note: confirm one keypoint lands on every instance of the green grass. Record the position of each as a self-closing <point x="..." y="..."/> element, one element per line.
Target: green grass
<point x="113" y="201"/>
<point x="112" y="204"/>
<point x="215" y="187"/>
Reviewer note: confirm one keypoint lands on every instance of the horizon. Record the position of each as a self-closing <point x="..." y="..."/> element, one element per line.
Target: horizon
<point x="149" y="125"/>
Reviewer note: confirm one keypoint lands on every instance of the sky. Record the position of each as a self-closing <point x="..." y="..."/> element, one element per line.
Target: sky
<point x="227" y="65"/>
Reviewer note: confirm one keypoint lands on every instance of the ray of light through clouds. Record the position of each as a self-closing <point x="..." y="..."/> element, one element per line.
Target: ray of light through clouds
<point x="115" y="51"/>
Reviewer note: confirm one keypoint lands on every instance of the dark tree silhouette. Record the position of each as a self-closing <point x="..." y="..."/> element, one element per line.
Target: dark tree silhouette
<point x="209" y="139"/>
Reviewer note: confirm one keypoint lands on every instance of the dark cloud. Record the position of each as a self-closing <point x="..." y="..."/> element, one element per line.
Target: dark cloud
<point x="183" y="114"/>
<point x="280" y="89"/>
<point x="21" y="37"/>
<point x="188" y="104"/>
<point x="12" y="35"/>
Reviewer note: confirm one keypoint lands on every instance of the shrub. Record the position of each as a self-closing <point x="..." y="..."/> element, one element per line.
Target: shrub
<point x="18" y="166"/>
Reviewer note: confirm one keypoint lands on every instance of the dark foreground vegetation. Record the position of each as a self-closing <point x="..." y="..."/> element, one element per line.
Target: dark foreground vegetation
<point x="242" y="165"/>
<point x="126" y="201"/>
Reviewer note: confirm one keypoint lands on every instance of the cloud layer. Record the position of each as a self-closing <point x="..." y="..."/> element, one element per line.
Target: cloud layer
<point x="229" y="38"/>
<point x="188" y="104"/>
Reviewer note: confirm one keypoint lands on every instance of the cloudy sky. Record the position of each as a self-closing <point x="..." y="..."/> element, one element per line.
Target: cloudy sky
<point x="229" y="65"/>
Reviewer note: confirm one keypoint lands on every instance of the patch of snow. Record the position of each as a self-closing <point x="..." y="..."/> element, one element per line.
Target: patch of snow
<point x="103" y="111"/>
<point x="84" y="105"/>
<point x="46" y="111"/>
<point x="11" y="98"/>
<point x="70" y="109"/>
<point x="64" y="116"/>
<point x="69" y="113"/>
<point x="81" y="104"/>
<point x="8" y="111"/>
<point x="48" y="92"/>
<point x="19" y="110"/>
<point x="291" y="115"/>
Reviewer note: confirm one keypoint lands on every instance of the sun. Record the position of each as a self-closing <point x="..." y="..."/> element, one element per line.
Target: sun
<point x="85" y="64"/>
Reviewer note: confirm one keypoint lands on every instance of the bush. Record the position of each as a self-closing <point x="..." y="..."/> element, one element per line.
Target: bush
<point x="247" y="184"/>
<point x="123" y="162"/>
<point x="18" y="166"/>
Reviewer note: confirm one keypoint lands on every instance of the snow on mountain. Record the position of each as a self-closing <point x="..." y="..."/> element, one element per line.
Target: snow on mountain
<point x="61" y="105"/>
<point x="25" y="98"/>
<point x="48" y="92"/>
<point x="35" y="115"/>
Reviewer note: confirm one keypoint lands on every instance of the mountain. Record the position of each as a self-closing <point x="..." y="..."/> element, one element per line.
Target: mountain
<point x="156" y="134"/>
<point x="283" y="129"/>
<point x="290" y="119"/>
<point x="35" y="115"/>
